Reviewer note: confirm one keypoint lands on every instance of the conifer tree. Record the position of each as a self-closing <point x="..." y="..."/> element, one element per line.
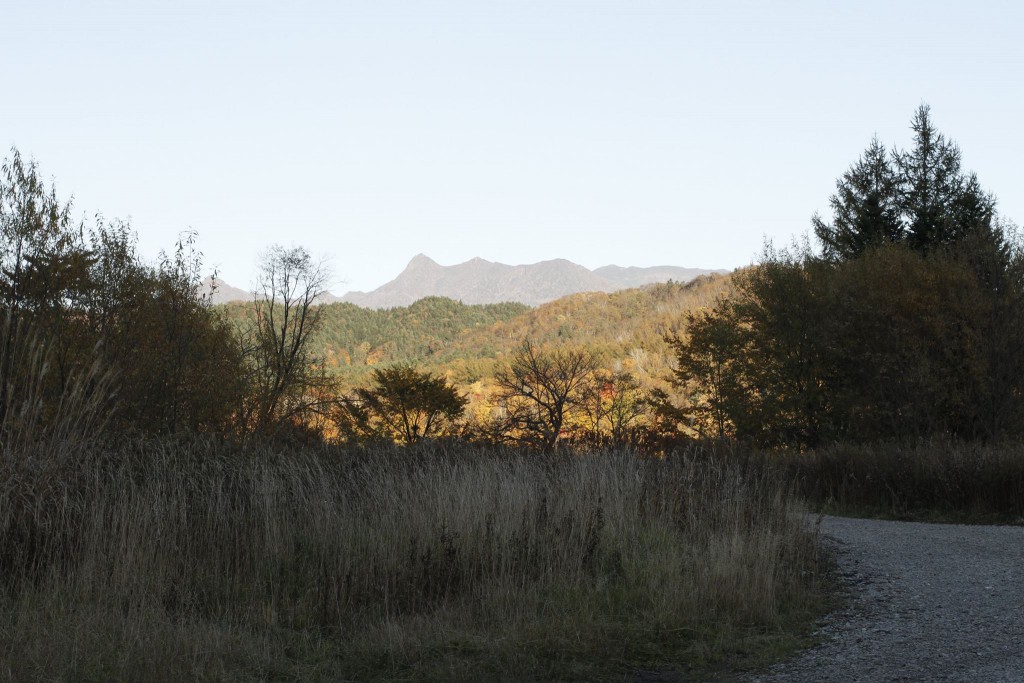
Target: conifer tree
<point x="940" y="204"/>
<point x="865" y="207"/>
<point x="918" y="196"/>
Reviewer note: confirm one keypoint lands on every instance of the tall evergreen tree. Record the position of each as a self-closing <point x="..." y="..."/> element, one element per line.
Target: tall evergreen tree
<point x="973" y="210"/>
<point x="940" y="203"/>
<point x="865" y="208"/>
<point x="919" y="196"/>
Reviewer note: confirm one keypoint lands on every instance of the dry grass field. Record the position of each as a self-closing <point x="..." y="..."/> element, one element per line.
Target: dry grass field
<point x="177" y="560"/>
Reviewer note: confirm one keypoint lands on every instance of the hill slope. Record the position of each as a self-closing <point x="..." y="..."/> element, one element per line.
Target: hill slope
<point x="465" y="342"/>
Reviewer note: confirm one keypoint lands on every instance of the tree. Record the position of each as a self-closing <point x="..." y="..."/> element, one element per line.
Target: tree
<point x="539" y="390"/>
<point x="920" y="196"/>
<point x="904" y="333"/>
<point x="90" y="301"/>
<point x="756" y="365"/>
<point x="43" y="268"/>
<point x="38" y="242"/>
<point x="707" y="368"/>
<point x="865" y="207"/>
<point x="940" y="203"/>
<point x="287" y="378"/>
<point x="403" y="405"/>
<point x="181" y="368"/>
<point x="615" y="404"/>
<point x="909" y="323"/>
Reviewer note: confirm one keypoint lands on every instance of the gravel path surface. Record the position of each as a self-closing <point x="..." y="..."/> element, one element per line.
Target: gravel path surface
<point x="927" y="602"/>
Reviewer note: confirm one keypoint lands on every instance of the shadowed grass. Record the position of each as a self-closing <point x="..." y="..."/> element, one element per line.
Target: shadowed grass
<point x="191" y="559"/>
<point x="937" y="479"/>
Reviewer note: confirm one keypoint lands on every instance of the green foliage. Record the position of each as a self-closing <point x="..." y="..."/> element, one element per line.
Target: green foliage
<point x="866" y="207"/>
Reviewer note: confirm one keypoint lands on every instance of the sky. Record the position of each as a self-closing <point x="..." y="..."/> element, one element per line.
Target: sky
<point x="632" y="132"/>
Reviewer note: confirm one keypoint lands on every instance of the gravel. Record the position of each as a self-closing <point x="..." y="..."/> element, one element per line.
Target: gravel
<point x="926" y="602"/>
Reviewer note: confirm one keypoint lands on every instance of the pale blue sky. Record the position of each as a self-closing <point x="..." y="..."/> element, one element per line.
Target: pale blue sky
<point x="629" y="132"/>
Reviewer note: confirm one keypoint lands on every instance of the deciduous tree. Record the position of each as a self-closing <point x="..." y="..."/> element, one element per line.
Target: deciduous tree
<point x="538" y="391"/>
<point x="287" y="377"/>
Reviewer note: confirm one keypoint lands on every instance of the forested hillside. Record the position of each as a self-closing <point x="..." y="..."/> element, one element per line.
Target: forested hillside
<point x="625" y="339"/>
<point x="353" y="339"/>
<point x="625" y="329"/>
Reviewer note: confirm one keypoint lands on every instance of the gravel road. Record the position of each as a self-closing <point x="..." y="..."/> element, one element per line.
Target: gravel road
<point x="927" y="602"/>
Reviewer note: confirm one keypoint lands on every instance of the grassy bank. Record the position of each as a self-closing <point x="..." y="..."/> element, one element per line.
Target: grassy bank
<point x="176" y="560"/>
<point x="936" y="479"/>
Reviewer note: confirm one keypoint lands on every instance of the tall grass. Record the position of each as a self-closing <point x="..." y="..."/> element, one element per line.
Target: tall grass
<point x="47" y="424"/>
<point x="167" y="560"/>
<point x="937" y="478"/>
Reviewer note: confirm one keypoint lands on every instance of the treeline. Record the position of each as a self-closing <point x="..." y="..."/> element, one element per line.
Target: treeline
<point x="583" y="371"/>
<point x="906" y="322"/>
<point x="389" y="390"/>
<point x="465" y="341"/>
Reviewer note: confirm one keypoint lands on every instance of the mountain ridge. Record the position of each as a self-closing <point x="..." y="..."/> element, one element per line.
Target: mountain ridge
<point x="478" y="281"/>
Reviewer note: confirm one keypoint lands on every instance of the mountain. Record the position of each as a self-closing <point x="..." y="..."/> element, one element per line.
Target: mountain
<point x="482" y="282"/>
<point x="485" y="282"/>
<point x="223" y="292"/>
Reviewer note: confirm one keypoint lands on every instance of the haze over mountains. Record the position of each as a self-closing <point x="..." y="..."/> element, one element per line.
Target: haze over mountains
<point x="478" y="281"/>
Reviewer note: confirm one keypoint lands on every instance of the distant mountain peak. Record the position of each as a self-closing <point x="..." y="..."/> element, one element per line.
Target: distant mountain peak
<point x="421" y="260"/>
<point x="220" y="292"/>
